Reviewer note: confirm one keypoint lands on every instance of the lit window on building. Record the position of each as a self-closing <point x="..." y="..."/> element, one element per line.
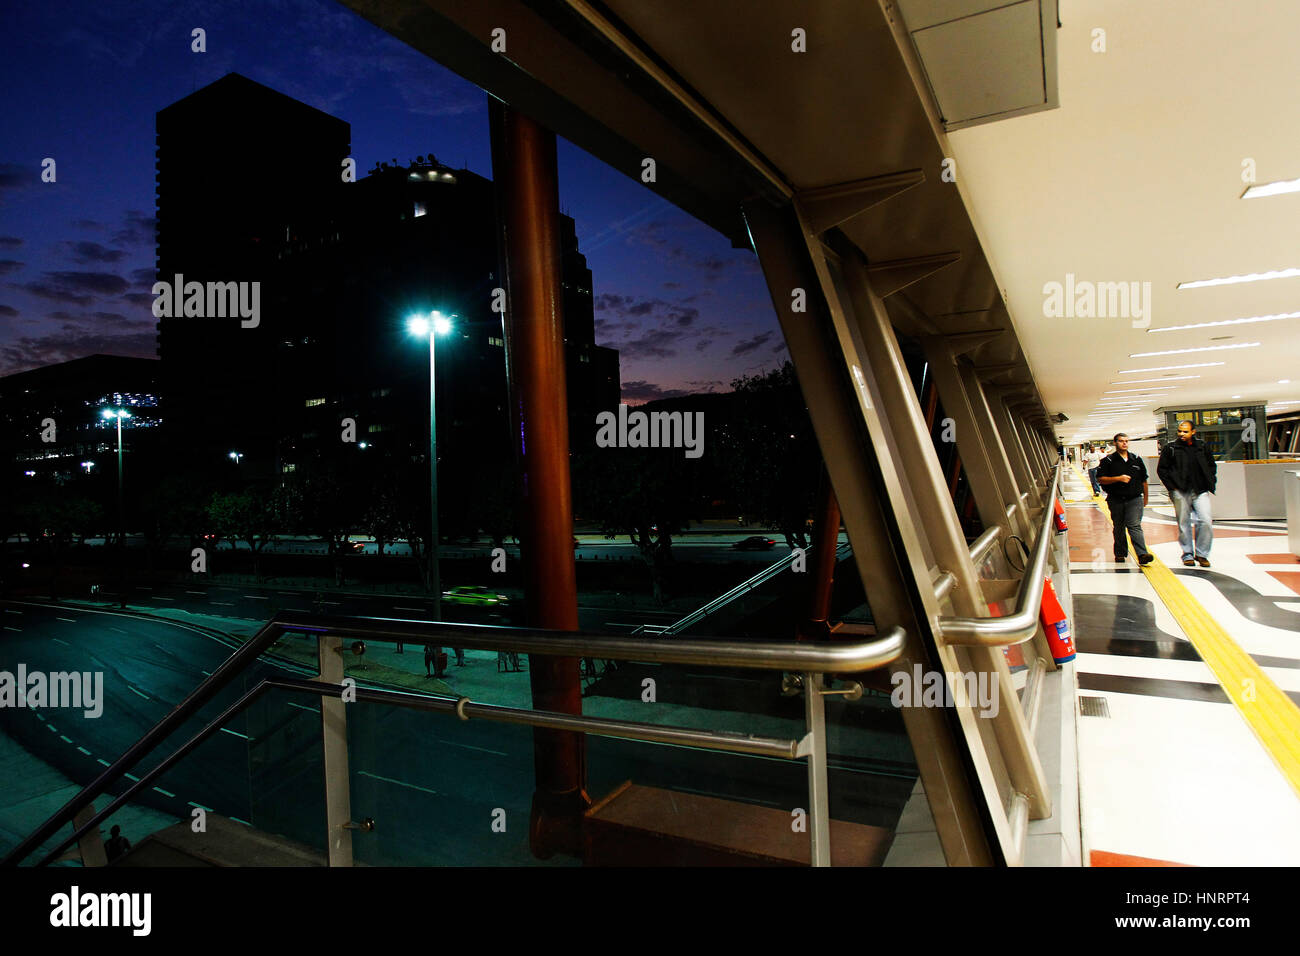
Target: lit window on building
<point x="312" y="402"/>
<point x="419" y="210"/>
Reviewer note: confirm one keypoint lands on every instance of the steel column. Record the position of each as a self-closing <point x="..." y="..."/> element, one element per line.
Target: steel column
<point x="1025" y="479"/>
<point x="990" y="497"/>
<point x="524" y="167"/>
<point x="819" y="812"/>
<point x="826" y="535"/>
<point x="938" y="518"/>
<point x="990" y="432"/>
<point x="334" y="750"/>
<point x="884" y="542"/>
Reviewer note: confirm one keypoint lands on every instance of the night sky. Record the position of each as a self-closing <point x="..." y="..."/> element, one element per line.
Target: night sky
<point x="82" y="82"/>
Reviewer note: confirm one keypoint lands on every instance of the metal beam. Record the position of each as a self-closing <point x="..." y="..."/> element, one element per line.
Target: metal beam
<point x="828" y="206"/>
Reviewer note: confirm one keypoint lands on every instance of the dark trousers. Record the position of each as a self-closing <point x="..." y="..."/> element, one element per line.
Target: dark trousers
<point x="1126" y="516"/>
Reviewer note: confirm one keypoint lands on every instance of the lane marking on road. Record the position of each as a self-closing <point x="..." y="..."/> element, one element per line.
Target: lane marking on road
<point x="139" y="693"/>
<point x="159" y="597"/>
<point x="66" y="740"/>
<point x="298" y="610"/>
<point x="222" y="603"/>
<point x="207" y="673"/>
<point x="165" y="793"/>
<point x="290" y="593"/>
<point x="452" y="743"/>
<point x="12" y="611"/>
<point x="53" y="729"/>
<point x="233" y="733"/>
<point x="17" y="629"/>
<point x="118" y="629"/>
<point x="396" y="608"/>
<point x="331" y="602"/>
<point x="237" y="820"/>
<point x="69" y="620"/>
<point x="103" y="761"/>
<point x="85" y="751"/>
<point x="202" y="807"/>
<point x="58" y="641"/>
<point x="400" y="783"/>
<point x="132" y="777"/>
<point x="199" y="593"/>
<point x="143" y="587"/>
<point x="256" y="597"/>
<point x="314" y="710"/>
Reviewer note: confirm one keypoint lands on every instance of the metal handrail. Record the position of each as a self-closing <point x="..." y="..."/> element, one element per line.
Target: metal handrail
<point x="729" y="742"/>
<point x="808" y="658"/>
<point x="842" y="551"/>
<point x="981" y="546"/>
<point x="1021" y="625"/>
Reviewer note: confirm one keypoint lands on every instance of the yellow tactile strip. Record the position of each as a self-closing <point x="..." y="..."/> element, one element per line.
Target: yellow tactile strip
<point x="1274" y="717"/>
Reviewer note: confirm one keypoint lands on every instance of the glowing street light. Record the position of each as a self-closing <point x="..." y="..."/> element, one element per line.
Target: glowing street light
<point x="119" y="414"/>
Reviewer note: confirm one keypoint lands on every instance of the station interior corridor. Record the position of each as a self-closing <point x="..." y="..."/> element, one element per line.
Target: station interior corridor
<point x="1180" y="765"/>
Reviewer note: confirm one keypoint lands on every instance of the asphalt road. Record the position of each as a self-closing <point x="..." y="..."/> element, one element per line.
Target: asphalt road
<point x="435" y="786"/>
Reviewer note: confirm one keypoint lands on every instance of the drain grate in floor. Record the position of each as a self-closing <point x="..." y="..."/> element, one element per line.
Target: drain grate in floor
<point x="1093" y="706"/>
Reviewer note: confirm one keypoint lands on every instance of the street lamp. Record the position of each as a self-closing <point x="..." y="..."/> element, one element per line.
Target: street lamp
<point x="119" y="414"/>
<point x="434" y="325"/>
<point x="236" y="456"/>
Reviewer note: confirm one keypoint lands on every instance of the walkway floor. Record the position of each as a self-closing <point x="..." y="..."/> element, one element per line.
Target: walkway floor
<point x="1189" y="680"/>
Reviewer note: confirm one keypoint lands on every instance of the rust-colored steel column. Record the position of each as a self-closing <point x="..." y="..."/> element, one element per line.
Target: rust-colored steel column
<point x="826" y="534"/>
<point x="524" y="167"/>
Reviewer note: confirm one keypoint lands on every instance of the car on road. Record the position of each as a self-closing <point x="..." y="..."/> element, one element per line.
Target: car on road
<point x="754" y="542"/>
<point x="474" y="595"/>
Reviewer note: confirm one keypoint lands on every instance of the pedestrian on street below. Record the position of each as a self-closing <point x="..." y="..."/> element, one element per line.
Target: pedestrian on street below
<point x="1124" y="477"/>
<point x="1188" y="470"/>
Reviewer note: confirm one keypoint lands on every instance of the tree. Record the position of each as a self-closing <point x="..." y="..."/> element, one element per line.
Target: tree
<point x="250" y="516"/>
<point x="646" y="493"/>
<point x="770" y="453"/>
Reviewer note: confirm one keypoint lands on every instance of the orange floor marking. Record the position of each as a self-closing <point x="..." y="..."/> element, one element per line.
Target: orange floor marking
<point x="1290" y="578"/>
<point x="1102" y="858"/>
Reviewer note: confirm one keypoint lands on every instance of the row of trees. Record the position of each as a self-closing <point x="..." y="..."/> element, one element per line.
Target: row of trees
<point x="760" y="457"/>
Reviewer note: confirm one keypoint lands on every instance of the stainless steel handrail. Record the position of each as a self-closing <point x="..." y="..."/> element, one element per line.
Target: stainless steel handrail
<point x="463" y="708"/>
<point x="1023" y="623"/>
<point x="785" y="656"/>
<point x="981" y="546"/>
<point x="809" y="658"/>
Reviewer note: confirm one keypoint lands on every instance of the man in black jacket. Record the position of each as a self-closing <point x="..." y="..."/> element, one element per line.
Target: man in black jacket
<point x="1124" y="478"/>
<point x="1188" y="470"/>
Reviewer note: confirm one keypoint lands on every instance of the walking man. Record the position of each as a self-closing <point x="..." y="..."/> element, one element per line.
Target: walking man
<point x="1187" y="468"/>
<point x="1091" y="461"/>
<point x="1124" y="477"/>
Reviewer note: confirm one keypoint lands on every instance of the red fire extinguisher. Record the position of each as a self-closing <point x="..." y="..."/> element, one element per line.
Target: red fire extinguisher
<point x="1059" y="510"/>
<point x="1056" y="626"/>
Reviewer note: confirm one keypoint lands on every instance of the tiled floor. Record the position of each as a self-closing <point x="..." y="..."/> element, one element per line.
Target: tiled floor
<point x="1175" y="774"/>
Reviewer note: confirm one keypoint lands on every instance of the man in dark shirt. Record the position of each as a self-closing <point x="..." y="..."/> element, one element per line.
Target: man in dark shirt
<point x="1188" y="470"/>
<point x="1124" y="479"/>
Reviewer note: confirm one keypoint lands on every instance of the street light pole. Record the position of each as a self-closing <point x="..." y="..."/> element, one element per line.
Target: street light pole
<point x="434" y="581"/>
<point x="119" y="414"/>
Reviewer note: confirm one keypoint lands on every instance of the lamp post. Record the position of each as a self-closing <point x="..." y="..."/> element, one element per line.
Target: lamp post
<point x="433" y="326"/>
<point x="119" y="414"/>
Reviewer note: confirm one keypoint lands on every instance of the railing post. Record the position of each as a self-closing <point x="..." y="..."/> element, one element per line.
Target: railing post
<point x="819" y="814"/>
<point x="334" y="747"/>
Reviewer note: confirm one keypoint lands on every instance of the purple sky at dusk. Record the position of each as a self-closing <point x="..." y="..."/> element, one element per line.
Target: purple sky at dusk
<point x="83" y="81"/>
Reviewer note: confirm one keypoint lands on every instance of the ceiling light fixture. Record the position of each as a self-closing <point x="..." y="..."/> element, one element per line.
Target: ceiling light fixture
<point x="1279" y="188"/>
<point x="1203" y="348"/>
<point x="1249" y="277"/>
<point x="1167" y="378"/>
<point x="1206" y="325"/>
<point x="1147" y="388"/>
<point x="1168" y="368"/>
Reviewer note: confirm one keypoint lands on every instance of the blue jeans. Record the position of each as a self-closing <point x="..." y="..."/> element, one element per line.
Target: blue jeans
<point x="1193" y="510"/>
<point x="1092" y="476"/>
<point x="1126" y="516"/>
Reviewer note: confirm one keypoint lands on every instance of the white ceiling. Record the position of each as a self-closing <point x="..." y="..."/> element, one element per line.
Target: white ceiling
<point x="1137" y="177"/>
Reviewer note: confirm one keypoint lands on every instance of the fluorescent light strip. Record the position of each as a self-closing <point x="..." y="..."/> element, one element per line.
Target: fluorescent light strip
<point x="1279" y="188"/>
<point x="1168" y="368"/>
<point x="1167" y="378"/>
<point x="1149" y="388"/>
<point x="1203" y="348"/>
<point x="1207" y="325"/>
<point x="1249" y="277"/>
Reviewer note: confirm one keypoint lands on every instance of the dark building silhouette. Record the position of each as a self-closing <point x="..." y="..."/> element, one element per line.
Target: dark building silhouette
<point x="72" y="395"/>
<point x="343" y="266"/>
